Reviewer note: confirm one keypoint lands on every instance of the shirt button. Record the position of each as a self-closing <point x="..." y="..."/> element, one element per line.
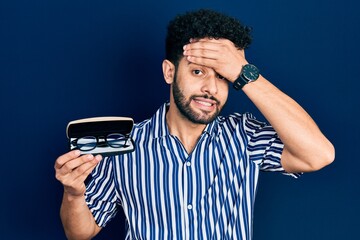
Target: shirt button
<point x="188" y="164"/>
<point x="189" y="206"/>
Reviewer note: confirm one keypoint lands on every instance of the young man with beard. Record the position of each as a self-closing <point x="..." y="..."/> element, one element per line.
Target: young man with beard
<point x="194" y="173"/>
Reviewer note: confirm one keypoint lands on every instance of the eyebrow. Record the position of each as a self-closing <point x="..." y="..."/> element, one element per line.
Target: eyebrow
<point x="189" y="63"/>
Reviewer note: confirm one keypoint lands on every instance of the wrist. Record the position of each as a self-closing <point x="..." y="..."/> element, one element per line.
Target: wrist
<point x="69" y="197"/>
<point x="249" y="73"/>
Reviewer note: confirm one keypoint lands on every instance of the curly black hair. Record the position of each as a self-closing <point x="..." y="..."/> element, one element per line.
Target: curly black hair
<point x="201" y="24"/>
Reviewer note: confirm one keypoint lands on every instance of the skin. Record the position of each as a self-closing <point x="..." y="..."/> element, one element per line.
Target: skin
<point x="71" y="170"/>
<point x="306" y="149"/>
<point x="195" y="82"/>
<point x="206" y="69"/>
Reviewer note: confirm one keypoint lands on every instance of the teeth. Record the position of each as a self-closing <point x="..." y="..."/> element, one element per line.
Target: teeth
<point x="205" y="103"/>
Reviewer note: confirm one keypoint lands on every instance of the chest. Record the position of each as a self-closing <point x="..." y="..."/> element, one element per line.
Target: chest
<point x="162" y="168"/>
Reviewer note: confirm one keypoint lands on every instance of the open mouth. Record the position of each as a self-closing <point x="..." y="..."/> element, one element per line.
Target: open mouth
<point x="206" y="104"/>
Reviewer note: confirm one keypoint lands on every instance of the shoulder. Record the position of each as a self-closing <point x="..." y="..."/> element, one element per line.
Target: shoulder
<point x="141" y="127"/>
<point x="143" y="124"/>
<point x="242" y="122"/>
<point x="239" y="118"/>
<point x="152" y="127"/>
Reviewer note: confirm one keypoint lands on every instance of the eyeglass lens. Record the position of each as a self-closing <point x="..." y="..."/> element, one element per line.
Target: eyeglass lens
<point x="86" y="143"/>
<point x="115" y="140"/>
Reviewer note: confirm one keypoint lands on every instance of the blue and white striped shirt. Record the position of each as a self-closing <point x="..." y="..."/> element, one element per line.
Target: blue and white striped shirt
<point x="167" y="193"/>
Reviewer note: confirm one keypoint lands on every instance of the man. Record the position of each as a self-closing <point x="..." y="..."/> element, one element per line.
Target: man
<point x="193" y="173"/>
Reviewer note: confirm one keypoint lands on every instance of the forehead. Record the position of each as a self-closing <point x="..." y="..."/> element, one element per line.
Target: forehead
<point x="184" y="63"/>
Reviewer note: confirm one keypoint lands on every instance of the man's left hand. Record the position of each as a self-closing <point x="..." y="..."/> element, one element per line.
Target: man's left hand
<point x="218" y="54"/>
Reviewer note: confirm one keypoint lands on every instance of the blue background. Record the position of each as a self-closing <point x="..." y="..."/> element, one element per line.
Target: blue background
<point x="64" y="60"/>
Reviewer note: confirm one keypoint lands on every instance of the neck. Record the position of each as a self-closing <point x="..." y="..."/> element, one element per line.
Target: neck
<point x="186" y="131"/>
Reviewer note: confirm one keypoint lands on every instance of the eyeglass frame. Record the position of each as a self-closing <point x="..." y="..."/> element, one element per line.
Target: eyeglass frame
<point x="97" y="138"/>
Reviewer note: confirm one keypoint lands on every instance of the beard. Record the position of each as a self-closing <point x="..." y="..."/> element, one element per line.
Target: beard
<point x="185" y="109"/>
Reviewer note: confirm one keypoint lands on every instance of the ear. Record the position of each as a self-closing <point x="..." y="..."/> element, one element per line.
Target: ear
<point x="168" y="71"/>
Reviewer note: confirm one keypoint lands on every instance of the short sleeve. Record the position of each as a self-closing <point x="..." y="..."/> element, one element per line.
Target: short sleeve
<point x="264" y="146"/>
<point x="100" y="195"/>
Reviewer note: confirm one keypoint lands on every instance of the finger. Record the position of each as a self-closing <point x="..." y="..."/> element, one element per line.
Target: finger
<point x="60" y="161"/>
<point x="214" y="46"/>
<point x="213" y="50"/>
<point x="204" y="53"/>
<point x="83" y="171"/>
<point x="217" y="42"/>
<point x="211" y="42"/>
<point x="207" y="62"/>
<point x="70" y="165"/>
<point x="77" y="174"/>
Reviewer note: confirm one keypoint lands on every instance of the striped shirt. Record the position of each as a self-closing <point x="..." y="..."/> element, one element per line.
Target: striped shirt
<point x="167" y="193"/>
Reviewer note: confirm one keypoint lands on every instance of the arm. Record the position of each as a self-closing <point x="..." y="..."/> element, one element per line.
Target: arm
<point x="71" y="170"/>
<point x="305" y="147"/>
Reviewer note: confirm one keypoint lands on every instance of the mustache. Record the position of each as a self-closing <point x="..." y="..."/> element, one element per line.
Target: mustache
<point x="208" y="97"/>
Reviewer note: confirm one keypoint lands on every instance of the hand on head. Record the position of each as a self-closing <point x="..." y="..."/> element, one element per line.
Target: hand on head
<point x="218" y="54"/>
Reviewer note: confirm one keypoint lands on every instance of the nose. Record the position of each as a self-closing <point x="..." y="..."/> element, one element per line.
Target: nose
<point x="210" y="85"/>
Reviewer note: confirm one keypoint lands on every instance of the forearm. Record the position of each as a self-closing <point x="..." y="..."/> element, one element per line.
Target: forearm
<point x="77" y="219"/>
<point x="305" y="147"/>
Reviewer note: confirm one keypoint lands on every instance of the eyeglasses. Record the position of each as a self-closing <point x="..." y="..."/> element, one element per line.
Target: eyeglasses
<point x="88" y="143"/>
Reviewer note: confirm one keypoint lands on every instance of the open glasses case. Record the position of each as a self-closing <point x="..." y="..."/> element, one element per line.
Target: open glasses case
<point x="101" y="135"/>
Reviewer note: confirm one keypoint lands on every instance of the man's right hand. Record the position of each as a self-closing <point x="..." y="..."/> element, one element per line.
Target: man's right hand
<point x="71" y="170"/>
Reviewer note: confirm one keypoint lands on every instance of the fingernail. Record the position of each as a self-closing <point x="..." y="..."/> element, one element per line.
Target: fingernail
<point x="184" y="47"/>
<point x="89" y="157"/>
<point x="77" y="152"/>
<point x="98" y="157"/>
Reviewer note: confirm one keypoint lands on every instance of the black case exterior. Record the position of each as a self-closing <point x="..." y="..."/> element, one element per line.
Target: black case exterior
<point x="99" y="128"/>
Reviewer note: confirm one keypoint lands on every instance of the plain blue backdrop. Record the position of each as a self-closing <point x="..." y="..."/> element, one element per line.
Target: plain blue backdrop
<point x="64" y="60"/>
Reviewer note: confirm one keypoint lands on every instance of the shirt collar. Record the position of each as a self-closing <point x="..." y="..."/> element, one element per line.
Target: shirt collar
<point x="160" y="128"/>
<point x="158" y="122"/>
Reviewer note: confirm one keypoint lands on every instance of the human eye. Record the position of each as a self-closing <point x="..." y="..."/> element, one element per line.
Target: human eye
<point x="221" y="77"/>
<point x="197" y="72"/>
